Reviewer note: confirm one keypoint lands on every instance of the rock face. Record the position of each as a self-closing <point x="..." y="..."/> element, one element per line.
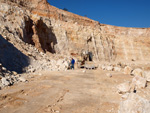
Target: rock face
<point x="40" y="32"/>
<point x="56" y="31"/>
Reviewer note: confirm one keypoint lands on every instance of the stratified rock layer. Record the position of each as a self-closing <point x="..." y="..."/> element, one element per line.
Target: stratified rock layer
<point x="35" y="26"/>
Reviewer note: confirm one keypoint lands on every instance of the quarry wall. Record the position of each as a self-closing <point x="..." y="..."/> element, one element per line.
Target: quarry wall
<point x="53" y="30"/>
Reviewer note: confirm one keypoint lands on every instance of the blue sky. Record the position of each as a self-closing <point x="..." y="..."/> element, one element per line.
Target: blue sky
<point x="126" y="13"/>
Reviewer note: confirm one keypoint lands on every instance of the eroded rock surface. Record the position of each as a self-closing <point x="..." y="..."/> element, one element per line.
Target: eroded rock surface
<point x="56" y="31"/>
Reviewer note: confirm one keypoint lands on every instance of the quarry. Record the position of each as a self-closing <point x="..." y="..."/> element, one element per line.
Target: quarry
<point x="37" y="43"/>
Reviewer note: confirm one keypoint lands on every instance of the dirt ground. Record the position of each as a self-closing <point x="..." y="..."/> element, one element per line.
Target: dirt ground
<point x="72" y="91"/>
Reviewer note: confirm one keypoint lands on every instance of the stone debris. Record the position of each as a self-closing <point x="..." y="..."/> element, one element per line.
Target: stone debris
<point x="8" y="78"/>
<point x="31" y="50"/>
<point x="111" y="67"/>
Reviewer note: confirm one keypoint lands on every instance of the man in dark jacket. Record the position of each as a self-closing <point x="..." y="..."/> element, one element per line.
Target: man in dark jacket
<point x="72" y="63"/>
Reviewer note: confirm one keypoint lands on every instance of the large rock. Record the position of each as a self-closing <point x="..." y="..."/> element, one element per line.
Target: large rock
<point x="127" y="70"/>
<point x="109" y="75"/>
<point x="109" y="68"/>
<point x="147" y="76"/>
<point x="139" y="82"/>
<point x="138" y="72"/>
<point x="22" y="79"/>
<point x="134" y="104"/>
<point x="103" y="67"/>
<point x="116" y="69"/>
<point x="5" y="82"/>
<point x="123" y="88"/>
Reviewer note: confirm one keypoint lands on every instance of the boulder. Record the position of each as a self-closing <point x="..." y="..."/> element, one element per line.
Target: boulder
<point x="14" y="72"/>
<point x="109" y="75"/>
<point x="125" y="96"/>
<point x="124" y="88"/>
<point x="5" y="82"/>
<point x="109" y="68"/>
<point x="137" y="72"/>
<point x="127" y="70"/>
<point x="4" y="69"/>
<point x="134" y="104"/>
<point x="147" y="76"/>
<point x="22" y="79"/>
<point x="116" y="69"/>
<point x="103" y="67"/>
<point x="139" y="82"/>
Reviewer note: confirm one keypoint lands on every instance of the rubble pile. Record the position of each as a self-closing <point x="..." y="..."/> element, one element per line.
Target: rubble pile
<point x="8" y="78"/>
<point x="132" y="101"/>
<point x="113" y="66"/>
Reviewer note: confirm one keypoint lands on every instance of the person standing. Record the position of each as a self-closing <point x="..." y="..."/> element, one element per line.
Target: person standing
<point x="72" y="63"/>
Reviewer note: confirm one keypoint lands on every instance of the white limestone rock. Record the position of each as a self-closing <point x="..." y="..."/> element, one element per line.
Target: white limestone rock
<point x="117" y="69"/>
<point x="22" y="79"/>
<point x="109" y="68"/>
<point x="137" y="72"/>
<point x="109" y="75"/>
<point x="103" y="67"/>
<point x="134" y="104"/>
<point x="147" y="76"/>
<point x="5" y="82"/>
<point x="127" y="70"/>
<point x="139" y="82"/>
<point x="124" y="88"/>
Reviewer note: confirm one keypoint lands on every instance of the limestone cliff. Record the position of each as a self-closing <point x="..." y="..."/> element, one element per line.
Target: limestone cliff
<point x="53" y="30"/>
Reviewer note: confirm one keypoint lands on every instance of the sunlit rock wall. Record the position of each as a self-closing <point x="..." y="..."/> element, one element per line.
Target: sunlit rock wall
<point x="56" y="31"/>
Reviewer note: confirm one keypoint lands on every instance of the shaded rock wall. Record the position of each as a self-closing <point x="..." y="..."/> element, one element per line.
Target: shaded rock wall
<point x="11" y="57"/>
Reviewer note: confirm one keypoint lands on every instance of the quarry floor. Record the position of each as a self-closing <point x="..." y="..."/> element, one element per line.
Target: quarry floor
<point x="72" y="91"/>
